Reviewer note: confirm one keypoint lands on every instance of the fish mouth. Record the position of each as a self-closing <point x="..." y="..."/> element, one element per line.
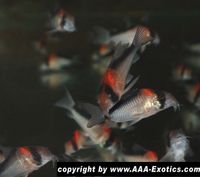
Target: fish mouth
<point x="171" y="101"/>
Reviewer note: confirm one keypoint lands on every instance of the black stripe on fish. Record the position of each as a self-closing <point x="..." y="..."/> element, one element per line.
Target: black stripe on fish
<point x="74" y="145"/>
<point x="161" y="98"/>
<point x="36" y="156"/>
<point x="109" y="91"/>
<point x="63" y="21"/>
<point x="124" y="99"/>
<point x="197" y="96"/>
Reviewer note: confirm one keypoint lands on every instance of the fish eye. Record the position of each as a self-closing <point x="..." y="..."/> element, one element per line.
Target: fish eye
<point x="156" y="103"/>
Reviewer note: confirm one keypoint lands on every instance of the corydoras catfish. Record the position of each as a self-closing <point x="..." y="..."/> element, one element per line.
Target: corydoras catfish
<point x="178" y="149"/>
<point x="24" y="160"/>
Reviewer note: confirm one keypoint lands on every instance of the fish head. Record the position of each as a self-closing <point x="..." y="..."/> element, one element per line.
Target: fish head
<point x="32" y="158"/>
<point x="177" y="136"/>
<point x="169" y="101"/>
<point x="143" y="36"/>
<point x="178" y="141"/>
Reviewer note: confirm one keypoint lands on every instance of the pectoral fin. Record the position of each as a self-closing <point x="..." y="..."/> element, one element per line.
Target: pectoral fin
<point x="95" y="113"/>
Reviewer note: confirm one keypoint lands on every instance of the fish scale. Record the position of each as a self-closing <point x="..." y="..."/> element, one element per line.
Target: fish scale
<point x="129" y="109"/>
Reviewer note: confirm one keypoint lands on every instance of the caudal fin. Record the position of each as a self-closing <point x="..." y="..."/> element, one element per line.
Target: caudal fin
<point x="67" y="102"/>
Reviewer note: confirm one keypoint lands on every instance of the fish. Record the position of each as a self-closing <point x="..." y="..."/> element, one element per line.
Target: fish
<point x="149" y="156"/>
<point x="78" y="142"/>
<point x="193" y="94"/>
<point x="24" y="160"/>
<point x="178" y="148"/>
<point x="103" y="36"/>
<point x="140" y="104"/>
<point x="116" y="81"/>
<point x="62" y="21"/>
<point x="134" y="106"/>
<point x="55" y="63"/>
<point x="100" y="135"/>
<point x="54" y="80"/>
<point x="182" y="73"/>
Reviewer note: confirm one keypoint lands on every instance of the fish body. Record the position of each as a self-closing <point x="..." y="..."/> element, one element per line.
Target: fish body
<point x="141" y="104"/>
<point x="116" y="80"/>
<point x="78" y="142"/>
<point x="193" y="94"/>
<point x="55" y="63"/>
<point x="98" y="134"/>
<point x="102" y="36"/>
<point x="63" y="22"/>
<point x="182" y="73"/>
<point x="24" y="160"/>
<point x="149" y="156"/>
<point x="179" y="147"/>
<point x="54" y="80"/>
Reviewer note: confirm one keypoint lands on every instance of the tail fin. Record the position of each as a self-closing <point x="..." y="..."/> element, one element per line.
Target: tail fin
<point x="67" y="102"/>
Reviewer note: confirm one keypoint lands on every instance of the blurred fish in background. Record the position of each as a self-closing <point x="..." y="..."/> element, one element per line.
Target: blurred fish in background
<point x="55" y="63"/>
<point x="178" y="149"/>
<point x="55" y="70"/>
<point x="102" y="36"/>
<point x="62" y="21"/>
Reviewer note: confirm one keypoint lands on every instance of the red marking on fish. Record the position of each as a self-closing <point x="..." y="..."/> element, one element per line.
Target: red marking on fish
<point x="151" y="155"/>
<point x="110" y="78"/>
<point x="24" y="151"/>
<point x="147" y="92"/>
<point x="106" y="129"/>
<point x="76" y="137"/>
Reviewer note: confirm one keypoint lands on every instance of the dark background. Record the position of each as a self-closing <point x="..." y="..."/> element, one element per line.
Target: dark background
<point x="27" y="112"/>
